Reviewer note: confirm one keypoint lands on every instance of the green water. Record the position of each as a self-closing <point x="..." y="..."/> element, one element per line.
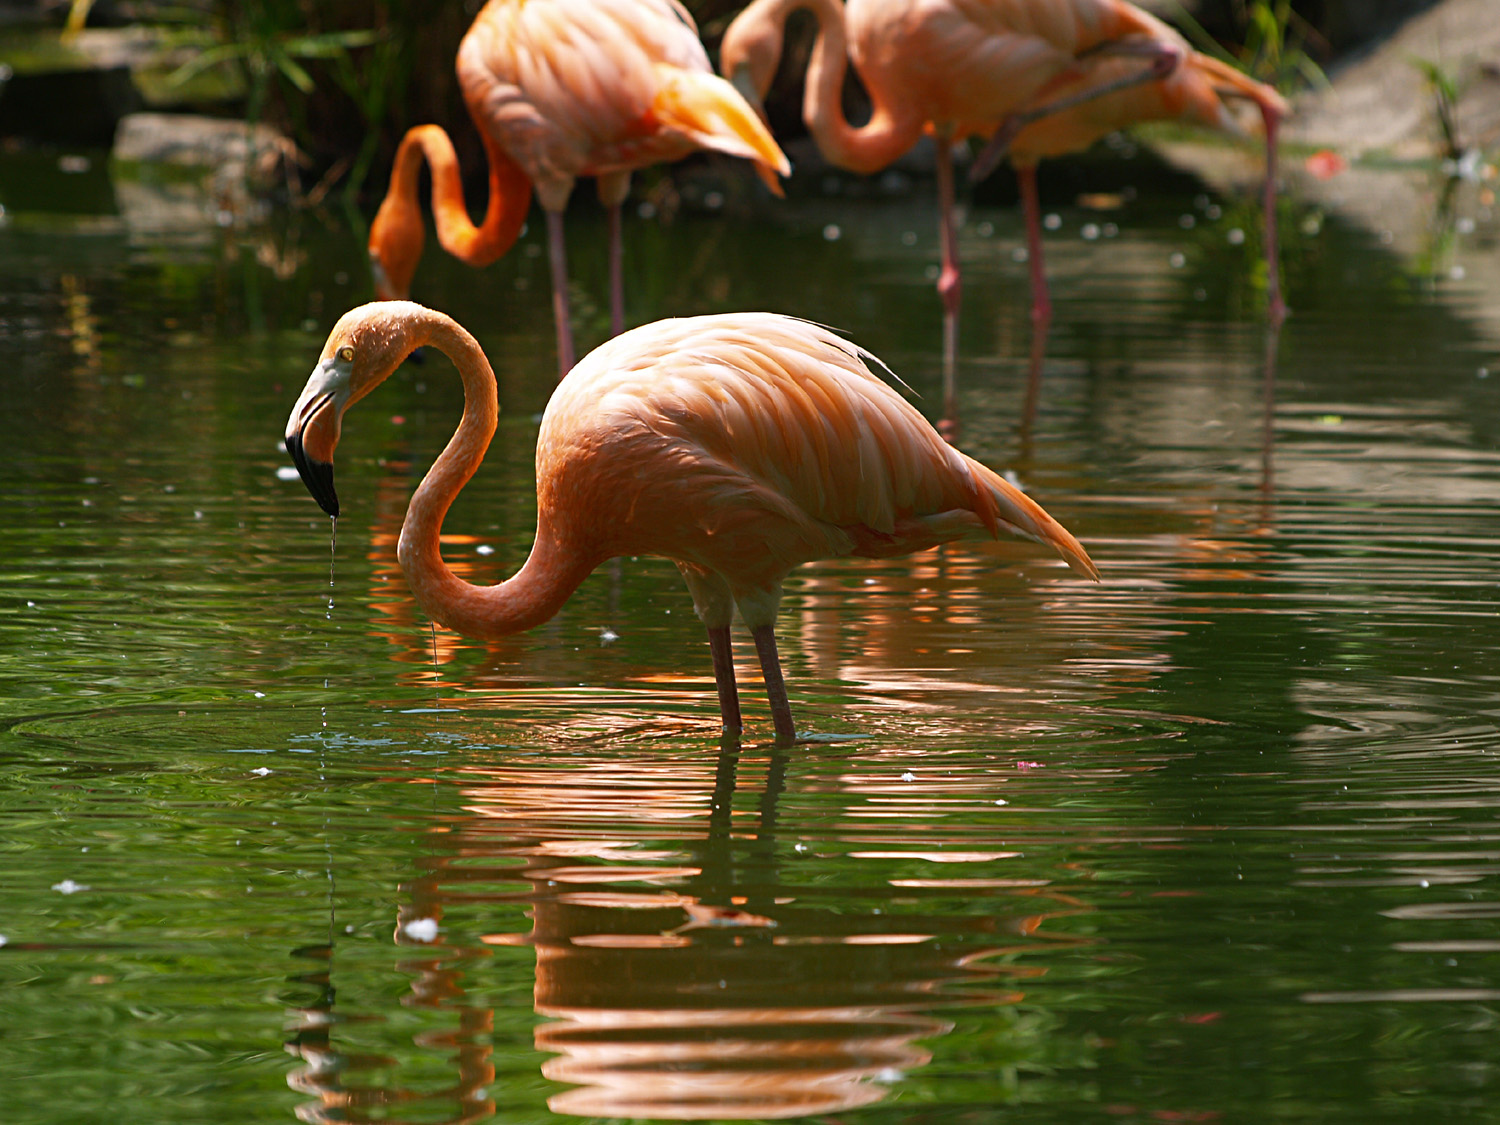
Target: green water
<point x="1213" y="840"/>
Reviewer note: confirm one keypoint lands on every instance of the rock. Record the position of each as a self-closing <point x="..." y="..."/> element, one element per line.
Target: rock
<point x="218" y="169"/>
<point x="1380" y="101"/>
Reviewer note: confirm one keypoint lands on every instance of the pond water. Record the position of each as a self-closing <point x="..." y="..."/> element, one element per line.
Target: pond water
<point x="1217" y="839"/>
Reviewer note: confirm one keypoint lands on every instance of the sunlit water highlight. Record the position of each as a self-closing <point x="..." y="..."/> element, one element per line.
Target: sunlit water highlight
<point x="1214" y="839"/>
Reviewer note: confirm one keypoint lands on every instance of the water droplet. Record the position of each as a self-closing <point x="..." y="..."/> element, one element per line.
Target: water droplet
<point x="421" y="929"/>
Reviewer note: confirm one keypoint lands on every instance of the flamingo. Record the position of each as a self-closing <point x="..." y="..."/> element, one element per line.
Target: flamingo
<point x="1000" y="68"/>
<point x="561" y="89"/>
<point x="738" y="445"/>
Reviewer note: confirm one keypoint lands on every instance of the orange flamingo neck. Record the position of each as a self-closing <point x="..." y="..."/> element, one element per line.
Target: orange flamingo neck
<point x="552" y="571"/>
<point x="398" y="232"/>
<point x="866" y="148"/>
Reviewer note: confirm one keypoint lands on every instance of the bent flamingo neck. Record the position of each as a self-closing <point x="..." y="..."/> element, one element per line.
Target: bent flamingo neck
<point x="552" y="571"/>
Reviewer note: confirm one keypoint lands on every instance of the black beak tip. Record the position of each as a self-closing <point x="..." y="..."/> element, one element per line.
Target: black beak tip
<point x="316" y="475"/>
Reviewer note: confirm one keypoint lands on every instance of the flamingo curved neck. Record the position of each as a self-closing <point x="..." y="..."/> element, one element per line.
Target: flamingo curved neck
<point x="505" y="212"/>
<point x="551" y="573"/>
<point x="867" y="148"/>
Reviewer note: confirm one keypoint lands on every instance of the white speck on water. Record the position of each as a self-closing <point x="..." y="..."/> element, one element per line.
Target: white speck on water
<point x="799" y="847"/>
<point x="986" y="229"/>
<point x="1236" y="236"/>
<point x="1177" y="259"/>
<point x="608" y="636"/>
<point x="909" y="238"/>
<point x="832" y="232"/>
<point x="261" y="771"/>
<point x="908" y="776"/>
<point x="421" y="929"/>
<point x="1052" y="221"/>
<point x="1019" y="254"/>
<point x="4" y="940"/>
<point x="1464" y="225"/>
<point x="1089" y="231"/>
<point x="1187" y="222"/>
<point x="1002" y="801"/>
<point x="1457" y="273"/>
<point x="889" y="1074"/>
<point x="484" y="549"/>
<point x="713" y="200"/>
<point x="68" y="887"/>
<point x="287" y="472"/>
<point x="258" y="694"/>
<point x="1111" y="229"/>
<point x="647" y="210"/>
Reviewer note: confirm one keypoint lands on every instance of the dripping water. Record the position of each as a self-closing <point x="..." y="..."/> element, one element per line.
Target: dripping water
<point x="333" y="552"/>
<point x="437" y="686"/>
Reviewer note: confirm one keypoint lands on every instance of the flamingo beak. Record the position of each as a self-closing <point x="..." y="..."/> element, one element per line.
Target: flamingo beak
<point x="312" y="431"/>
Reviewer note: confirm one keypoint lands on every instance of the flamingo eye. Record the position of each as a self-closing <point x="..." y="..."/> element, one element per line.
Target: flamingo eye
<point x="346" y="354"/>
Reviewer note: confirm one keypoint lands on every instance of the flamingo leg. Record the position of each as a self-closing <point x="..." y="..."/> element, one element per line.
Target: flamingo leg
<point x="1162" y="60"/>
<point x="1272" y="121"/>
<point x="950" y="282"/>
<point x="1031" y="208"/>
<point x="557" y="253"/>
<point x="729" y="695"/>
<point x="770" y="668"/>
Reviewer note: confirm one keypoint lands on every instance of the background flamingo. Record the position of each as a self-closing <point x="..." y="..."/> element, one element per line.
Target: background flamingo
<point x="739" y="446"/>
<point x="953" y="68"/>
<point x="561" y="89"/>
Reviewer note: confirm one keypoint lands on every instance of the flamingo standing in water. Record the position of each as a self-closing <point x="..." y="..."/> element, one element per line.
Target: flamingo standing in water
<point x="739" y="446"/>
<point x="1001" y="68"/>
<point x="561" y="89"/>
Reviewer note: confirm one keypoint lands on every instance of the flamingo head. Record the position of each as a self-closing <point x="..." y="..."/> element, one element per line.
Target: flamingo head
<point x="750" y="53"/>
<point x="364" y="348"/>
<point x="396" y="238"/>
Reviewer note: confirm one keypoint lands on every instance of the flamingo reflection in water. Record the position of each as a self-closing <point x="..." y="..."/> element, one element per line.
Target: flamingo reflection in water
<point x="561" y="89"/>
<point x="739" y="446"/>
<point x="666" y="935"/>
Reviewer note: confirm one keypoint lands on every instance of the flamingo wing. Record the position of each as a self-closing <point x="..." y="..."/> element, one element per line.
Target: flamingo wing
<point x="580" y="87"/>
<point x="750" y="443"/>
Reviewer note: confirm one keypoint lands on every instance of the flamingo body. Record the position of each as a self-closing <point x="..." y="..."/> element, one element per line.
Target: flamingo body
<point x="561" y="89"/>
<point x="740" y="446"/>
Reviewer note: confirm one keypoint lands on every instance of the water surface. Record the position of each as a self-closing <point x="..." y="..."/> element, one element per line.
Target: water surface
<point x="1214" y="839"/>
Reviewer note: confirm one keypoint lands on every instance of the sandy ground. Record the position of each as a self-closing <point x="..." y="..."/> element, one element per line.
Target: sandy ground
<point x="1379" y="116"/>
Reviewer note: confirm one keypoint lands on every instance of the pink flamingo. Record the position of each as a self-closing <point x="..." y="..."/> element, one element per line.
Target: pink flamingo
<point x="1039" y="76"/>
<point x="561" y="89"/>
<point x="739" y="446"/>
